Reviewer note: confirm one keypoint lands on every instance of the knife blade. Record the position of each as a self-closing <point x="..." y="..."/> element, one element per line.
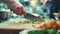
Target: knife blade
<point x="33" y="17"/>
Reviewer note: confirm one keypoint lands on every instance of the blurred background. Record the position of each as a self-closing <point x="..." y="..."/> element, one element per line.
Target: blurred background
<point x="41" y="7"/>
<point x="46" y="9"/>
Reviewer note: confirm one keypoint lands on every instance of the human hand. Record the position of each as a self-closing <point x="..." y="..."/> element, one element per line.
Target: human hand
<point x="17" y="7"/>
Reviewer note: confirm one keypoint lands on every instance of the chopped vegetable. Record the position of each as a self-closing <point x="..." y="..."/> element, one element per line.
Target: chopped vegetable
<point x="44" y="31"/>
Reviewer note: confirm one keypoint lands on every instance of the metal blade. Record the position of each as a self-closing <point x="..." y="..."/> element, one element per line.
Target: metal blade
<point x="32" y="17"/>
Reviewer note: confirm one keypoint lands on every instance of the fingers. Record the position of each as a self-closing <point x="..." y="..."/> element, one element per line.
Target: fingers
<point x="25" y="14"/>
<point x="20" y="11"/>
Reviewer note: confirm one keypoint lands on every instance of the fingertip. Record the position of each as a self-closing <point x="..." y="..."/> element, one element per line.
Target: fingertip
<point x="25" y="14"/>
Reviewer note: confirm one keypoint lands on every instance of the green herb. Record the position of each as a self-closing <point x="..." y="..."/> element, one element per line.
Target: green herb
<point x="53" y="31"/>
<point x="44" y="31"/>
<point x="58" y="32"/>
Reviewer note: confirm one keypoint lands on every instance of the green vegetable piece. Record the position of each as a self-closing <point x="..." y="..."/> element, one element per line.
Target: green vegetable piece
<point x="53" y="31"/>
<point x="44" y="31"/>
<point x="58" y="33"/>
<point x="31" y="32"/>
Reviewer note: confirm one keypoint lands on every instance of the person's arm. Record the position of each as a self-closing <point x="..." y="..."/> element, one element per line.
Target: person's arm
<point x="16" y="6"/>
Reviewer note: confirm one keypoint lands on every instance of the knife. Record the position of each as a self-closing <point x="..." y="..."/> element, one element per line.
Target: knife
<point x="34" y="17"/>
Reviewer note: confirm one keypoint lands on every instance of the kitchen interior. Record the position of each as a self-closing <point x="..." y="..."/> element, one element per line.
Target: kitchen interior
<point x="43" y="17"/>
